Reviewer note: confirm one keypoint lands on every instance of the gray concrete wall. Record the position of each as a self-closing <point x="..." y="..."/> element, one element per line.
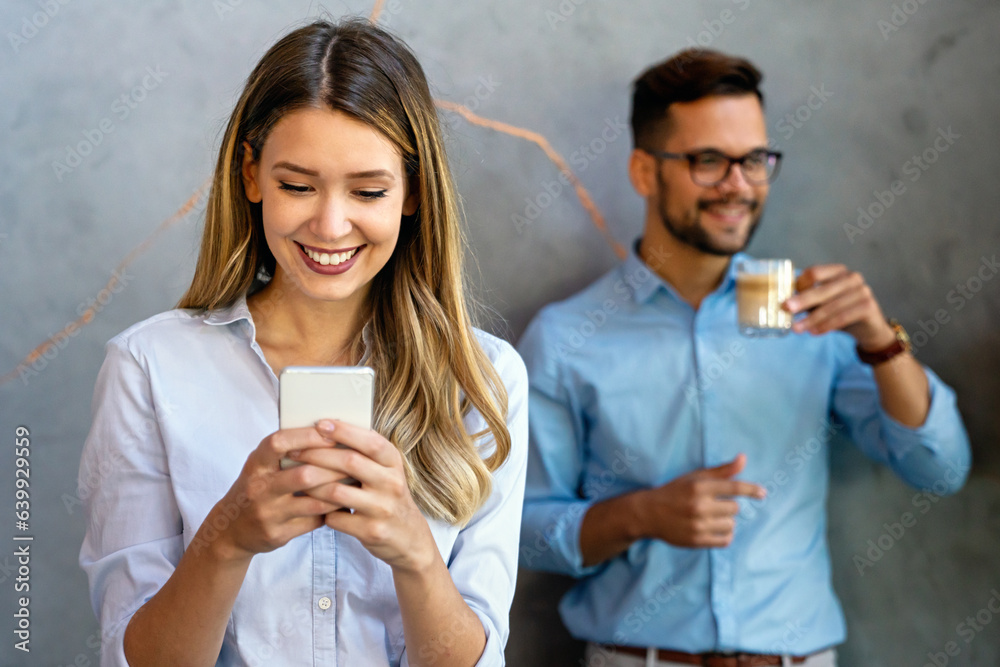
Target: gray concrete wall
<point x="896" y="75"/>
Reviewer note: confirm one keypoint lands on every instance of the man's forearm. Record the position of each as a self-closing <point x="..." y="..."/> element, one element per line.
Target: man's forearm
<point x="904" y="390"/>
<point x="609" y="528"/>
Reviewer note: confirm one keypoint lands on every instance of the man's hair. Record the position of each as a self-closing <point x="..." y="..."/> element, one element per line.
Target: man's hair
<point x="686" y="77"/>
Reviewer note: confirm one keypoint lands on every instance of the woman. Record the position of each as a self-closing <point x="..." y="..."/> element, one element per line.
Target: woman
<point x="331" y="238"/>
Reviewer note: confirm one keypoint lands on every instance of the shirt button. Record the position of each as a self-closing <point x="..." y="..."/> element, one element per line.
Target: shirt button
<point x="324" y="603"/>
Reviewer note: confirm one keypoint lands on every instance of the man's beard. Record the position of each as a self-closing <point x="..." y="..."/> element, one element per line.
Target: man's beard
<point x="694" y="235"/>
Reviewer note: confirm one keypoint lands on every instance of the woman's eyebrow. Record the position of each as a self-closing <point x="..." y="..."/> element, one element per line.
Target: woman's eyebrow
<point x="372" y="173"/>
<point x="296" y="168"/>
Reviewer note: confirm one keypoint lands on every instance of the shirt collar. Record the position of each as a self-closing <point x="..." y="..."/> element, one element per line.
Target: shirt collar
<point x="238" y="311"/>
<point x="645" y="282"/>
<point x="234" y="312"/>
<point x="642" y="279"/>
<point x="729" y="279"/>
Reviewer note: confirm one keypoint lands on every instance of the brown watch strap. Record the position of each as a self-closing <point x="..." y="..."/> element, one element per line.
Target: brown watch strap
<point x="900" y="345"/>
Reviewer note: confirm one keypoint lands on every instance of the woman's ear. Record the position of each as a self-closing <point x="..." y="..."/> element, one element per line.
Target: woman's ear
<point x="249" y="171"/>
<point x="412" y="201"/>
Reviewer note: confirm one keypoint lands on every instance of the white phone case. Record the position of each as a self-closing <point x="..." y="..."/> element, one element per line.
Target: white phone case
<point x="308" y="394"/>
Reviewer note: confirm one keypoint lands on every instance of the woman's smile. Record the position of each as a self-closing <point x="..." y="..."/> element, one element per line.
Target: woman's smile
<point x="329" y="262"/>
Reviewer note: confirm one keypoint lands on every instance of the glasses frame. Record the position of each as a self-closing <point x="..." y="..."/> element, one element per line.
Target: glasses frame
<point x="691" y="157"/>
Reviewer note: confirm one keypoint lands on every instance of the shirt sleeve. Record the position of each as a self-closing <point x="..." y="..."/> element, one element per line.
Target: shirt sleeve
<point x="133" y="526"/>
<point x="934" y="456"/>
<point x="553" y="506"/>
<point x="483" y="561"/>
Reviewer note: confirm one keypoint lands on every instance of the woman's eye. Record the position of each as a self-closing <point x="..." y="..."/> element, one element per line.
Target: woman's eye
<point x="371" y="194"/>
<point x="294" y="188"/>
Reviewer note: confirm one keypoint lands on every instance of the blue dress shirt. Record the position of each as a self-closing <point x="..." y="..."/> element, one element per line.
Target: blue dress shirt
<point x="630" y="387"/>
<point x="181" y="401"/>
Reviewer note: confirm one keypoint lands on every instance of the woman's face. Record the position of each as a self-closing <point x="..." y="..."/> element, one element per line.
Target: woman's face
<point x="332" y="191"/>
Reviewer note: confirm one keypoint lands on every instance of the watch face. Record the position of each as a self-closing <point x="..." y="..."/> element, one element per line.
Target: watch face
<point x="901" y="335"/>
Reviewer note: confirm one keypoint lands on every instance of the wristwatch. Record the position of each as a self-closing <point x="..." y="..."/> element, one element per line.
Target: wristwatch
<point x="899" y="346"/>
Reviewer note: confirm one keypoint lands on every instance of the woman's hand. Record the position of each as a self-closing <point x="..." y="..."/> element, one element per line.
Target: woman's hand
<point x="261" y="510"/>
<point x="385" y="518"/>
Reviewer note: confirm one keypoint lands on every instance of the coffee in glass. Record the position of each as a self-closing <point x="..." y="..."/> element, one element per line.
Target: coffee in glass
<point x="762" y="285"/>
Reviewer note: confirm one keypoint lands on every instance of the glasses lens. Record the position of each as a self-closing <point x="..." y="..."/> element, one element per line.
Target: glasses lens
<point x="756" y="166"/>
<point x="709" y="168"/>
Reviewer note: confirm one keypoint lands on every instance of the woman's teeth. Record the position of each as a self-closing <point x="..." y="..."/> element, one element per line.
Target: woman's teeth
<point x="326" y="258"/>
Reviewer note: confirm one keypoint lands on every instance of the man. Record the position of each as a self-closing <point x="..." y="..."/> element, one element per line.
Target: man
<point x="646" y="404"/>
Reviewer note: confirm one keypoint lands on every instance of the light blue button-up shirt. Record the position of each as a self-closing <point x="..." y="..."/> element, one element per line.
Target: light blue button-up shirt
<point x="630" y="387"/>
<point x="181" y="401"/>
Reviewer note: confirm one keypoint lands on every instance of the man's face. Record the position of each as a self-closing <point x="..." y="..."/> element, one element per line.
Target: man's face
<point x="720" y="219"/>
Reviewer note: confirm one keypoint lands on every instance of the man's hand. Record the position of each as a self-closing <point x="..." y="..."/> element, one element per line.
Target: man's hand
<point x="697" y="510"/>
<point x="838" y="299"/>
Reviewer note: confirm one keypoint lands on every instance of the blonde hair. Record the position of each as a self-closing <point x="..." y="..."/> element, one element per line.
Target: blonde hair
<point x="430" y="370"/>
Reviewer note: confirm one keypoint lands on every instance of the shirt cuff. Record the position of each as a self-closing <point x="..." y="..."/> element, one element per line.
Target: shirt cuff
<point x="493" y="652"/>
<point x="942" y="436"/>
<point x="572" y="537"/>
<point x="113" y="648"/>
<point x="902" y="438"/>
<point x="556" y="548"/>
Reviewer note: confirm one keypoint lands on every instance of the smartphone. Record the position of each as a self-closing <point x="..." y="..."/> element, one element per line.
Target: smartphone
<point x="307" y="394"/>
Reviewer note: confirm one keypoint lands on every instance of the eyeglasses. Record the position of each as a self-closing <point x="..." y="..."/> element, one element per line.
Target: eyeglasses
<point x="710" y="167"/>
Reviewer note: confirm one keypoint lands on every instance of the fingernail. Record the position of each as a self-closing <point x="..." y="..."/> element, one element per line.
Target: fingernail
<point x="326" y="426"/>
<point x="791" y="304"/>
